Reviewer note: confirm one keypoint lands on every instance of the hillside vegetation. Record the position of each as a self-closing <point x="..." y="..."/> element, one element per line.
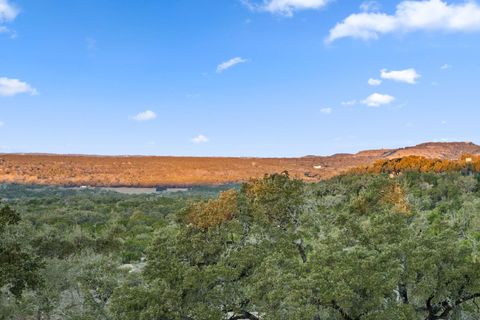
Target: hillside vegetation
<point x="358" y="246"/>
<point x="467" y="164"/>
<point x="139" y="171"/>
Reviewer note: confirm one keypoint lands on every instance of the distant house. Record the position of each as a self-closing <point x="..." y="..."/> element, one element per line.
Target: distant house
<point x="468" y="160"/>
<point x="318" y="167"/>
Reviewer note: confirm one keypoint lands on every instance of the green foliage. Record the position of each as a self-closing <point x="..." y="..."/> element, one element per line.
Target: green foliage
<point x="276" y="198"/>
<point x="356" y="247"/>
<point x="19" y="265"/>
<point x="90" y="242"/>
<point x="8" y="217"/>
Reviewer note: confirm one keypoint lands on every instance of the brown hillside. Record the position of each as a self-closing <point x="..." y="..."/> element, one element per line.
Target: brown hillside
<point x="450" y="151"/>
<point x="149" y="171"/>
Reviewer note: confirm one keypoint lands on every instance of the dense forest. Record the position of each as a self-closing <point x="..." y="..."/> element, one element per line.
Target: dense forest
<point x="358" y="246"/>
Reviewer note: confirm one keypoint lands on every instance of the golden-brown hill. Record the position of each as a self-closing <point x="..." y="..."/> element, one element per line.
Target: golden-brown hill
<point x="147" y="171"/>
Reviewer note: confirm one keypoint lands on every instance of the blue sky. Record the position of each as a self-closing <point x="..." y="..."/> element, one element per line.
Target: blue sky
<point x="236" y="78"/>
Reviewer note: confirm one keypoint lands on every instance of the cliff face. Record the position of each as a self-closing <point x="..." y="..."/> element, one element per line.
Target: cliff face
<point x="78" y="170"/>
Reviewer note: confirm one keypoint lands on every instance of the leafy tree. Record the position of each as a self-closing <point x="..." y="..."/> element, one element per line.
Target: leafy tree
<point x="19" y="265"/>
<point x="213" y="212"/>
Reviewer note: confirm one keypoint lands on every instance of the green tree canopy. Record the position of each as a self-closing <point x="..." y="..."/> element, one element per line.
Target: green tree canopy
<point x="354" y="247"/>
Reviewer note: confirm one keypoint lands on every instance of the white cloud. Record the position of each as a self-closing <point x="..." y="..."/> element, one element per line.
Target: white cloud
<point x="408" y="75"/>
<point x="200" y="139"/>
<point x="445" y="66"/>
<point x="230" y="63"/>
<point x="8" y="11"/>
<point x="377" y="100"/>
<point x="285" y="7"/>
<point x="2" y="124"/>
<point x="11" y="87"/>
<point x="145" y="116"/>
<point x="429" y="15"/>
<point x="374" y="82"/>
<point x="349" y="103"/>
<point x="326" y="111"/>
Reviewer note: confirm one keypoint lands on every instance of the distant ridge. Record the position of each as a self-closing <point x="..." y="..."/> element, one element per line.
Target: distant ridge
<point x="148" y="171"/>
<point x="441" y="150"/>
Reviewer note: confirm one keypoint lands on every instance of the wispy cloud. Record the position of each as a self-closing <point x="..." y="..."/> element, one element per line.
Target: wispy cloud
<point x="445" y="66"/>
<point x="200" y="139"/>
<point x="230" y="63"/>
<point x="2" y="124"/>
<point x="370" y="6"/>
<point x="409" y="76"/>
<point x="145" y="116"/>
<point x="11" y="87"/>
<point x="349" y="103"/>
<point x="326" y="111"/>
<point x="10" y="32"/>
<point x="377" y="100"/>
<point x="429" y="15"/>
<point x="374" y="82"/>
<point x="284" y="7"/>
